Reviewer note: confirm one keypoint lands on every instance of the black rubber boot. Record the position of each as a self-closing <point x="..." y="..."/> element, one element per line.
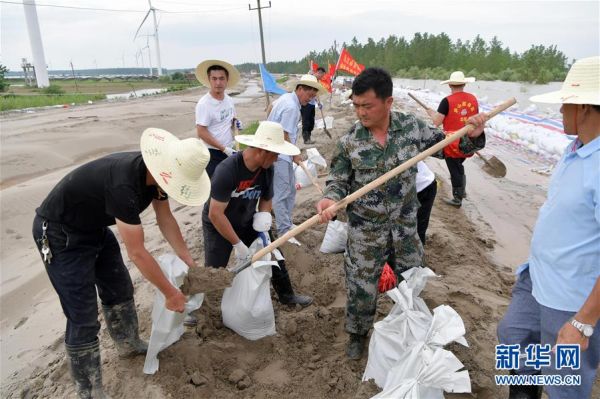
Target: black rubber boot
<point x="355" y="346"/>
<point x="457" y="198"/>
<point x="306" y="137"/>
<point x="122" y="324"/>
<point x="86" y="369"/>
<point x="283" y="287"/>
<point x="524" y="391"/>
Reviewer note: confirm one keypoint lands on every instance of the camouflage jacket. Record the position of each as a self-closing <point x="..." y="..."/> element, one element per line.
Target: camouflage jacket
<point x="360" y="159"/>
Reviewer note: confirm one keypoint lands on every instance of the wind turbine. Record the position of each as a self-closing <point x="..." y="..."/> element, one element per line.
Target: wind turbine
<point x="149" y="54"/>
<point x="153" y="10"/>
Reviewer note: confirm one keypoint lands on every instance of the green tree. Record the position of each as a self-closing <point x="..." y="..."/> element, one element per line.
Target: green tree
<point x="3" y="82"/>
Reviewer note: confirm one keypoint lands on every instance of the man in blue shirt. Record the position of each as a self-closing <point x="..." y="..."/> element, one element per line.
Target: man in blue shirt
<point x="556" y="299"/>
<point x="286" y="111"/>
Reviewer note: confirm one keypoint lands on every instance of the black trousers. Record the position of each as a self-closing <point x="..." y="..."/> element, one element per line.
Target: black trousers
<point x="457" y="171"/>
<point x="308" y="120"/>
<point x="216" y="157"/>
<point x="83" y="262"/>
<point x="426" y="198"/>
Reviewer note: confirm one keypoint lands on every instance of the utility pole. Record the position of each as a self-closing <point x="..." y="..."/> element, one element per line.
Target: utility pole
<point x="262" y="41"/>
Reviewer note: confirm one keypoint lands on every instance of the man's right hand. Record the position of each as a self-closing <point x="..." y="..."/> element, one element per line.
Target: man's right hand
<point x="176" y="301"/>
<point x="324" y="214"/>
<point x="228" y="151"/>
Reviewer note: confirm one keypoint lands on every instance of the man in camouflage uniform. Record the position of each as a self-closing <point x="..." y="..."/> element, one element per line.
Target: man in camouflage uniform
<point x="383" y="222"/>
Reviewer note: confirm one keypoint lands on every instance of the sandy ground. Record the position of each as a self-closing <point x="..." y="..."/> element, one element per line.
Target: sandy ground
<point x="474" y="250"/>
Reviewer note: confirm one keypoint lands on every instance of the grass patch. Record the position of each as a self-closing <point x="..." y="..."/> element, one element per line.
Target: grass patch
<point x="283" y="79"/>
<point x="250" y="128"/>
<point x="12" y="101"/>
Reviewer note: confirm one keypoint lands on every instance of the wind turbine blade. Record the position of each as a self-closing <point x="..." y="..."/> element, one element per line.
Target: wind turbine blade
<point x="140" y="27"/>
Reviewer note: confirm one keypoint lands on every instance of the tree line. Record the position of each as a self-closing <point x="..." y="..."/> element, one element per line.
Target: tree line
<point x="429" y="56"/>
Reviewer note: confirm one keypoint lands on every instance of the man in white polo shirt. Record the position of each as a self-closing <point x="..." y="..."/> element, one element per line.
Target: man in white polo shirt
<point x="215" y="112"/>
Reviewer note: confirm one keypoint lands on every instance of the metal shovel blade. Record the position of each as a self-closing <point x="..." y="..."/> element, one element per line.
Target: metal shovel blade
<point x="493" y="166"/>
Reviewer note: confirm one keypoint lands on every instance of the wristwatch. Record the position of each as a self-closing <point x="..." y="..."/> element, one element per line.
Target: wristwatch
<point x="585" y="329"/>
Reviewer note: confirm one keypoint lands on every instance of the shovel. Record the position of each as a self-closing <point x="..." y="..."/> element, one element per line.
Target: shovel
<point x="310" y="176"/>
<point x="368" y="187"/>
<point x="324" y="124"/>
<point x="492" y="166"/>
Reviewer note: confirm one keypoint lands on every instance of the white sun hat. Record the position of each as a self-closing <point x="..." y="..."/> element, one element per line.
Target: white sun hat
<point x="310" y="81"/>
<point x="202" y="72"/>
<point x="269" y="136"/>
<point x="581" y="86"/>
<point x="178" y="166"/>
<point x="458" y="78"/>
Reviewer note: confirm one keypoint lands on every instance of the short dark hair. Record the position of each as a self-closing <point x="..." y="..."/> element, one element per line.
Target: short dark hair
<point x="321" y="69"/>
<point x="217" y="68"/>
<point x="595" y="107"/>
<point x="374" y="78"/>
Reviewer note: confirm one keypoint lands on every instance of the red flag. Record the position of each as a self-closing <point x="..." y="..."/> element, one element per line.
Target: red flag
<point x="313" y="66"/>
<point x="348" y="64"/>
<point x="326" y="79"/>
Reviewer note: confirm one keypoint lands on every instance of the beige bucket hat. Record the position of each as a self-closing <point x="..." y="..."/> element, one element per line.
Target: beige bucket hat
<point x="178" y="166"/>
<point x="458" y="78"/>
<point x="269" y="136"/>
<point x="311" y="81"/>
<point x="581" y="86"/>
<point x="202" y="75"/>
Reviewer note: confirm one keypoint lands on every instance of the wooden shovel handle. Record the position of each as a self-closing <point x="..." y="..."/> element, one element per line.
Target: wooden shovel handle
<point x="374" y="184"/>
<point x="310" y="176"/>
<point x="422" y="104"/>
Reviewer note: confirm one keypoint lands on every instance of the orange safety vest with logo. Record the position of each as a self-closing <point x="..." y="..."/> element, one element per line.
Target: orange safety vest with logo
<point x="461" y="106"/>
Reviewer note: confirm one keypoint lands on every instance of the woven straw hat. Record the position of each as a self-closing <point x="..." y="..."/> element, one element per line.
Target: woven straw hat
<point x="178" y="166"/>
<point x="311" y="81"/>
<point x="202" y="74"/>
<point x="269" y="136"/>
<point x="457" y="78"/>
<point x="581" y="86"/>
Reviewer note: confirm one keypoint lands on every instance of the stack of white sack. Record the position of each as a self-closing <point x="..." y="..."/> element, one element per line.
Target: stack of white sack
<point x="319" y="124"/>
<point x="167" y="326"/>
<point x="406" y="342"/>
<point x="246" y="306"/>
<point x="314" y="159"/>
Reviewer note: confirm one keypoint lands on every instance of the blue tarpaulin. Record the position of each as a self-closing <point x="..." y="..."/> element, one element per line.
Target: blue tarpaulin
<point x="269" y="83"/>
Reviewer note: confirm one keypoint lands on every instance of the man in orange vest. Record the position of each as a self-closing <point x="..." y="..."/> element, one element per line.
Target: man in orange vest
<point x="453" y="113"/>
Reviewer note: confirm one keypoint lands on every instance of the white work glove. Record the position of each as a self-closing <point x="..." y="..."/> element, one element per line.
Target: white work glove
<point x="241" y="253"/>
<point x="228" y="151"/>
<point x="261" y="221"/>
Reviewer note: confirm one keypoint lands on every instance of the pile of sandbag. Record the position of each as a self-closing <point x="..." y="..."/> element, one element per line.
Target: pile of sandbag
<point x="315" y="159"/>
<point x="406" y="351"/>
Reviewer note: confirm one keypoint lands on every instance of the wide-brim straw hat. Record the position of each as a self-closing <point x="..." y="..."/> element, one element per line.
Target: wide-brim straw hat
<point x="269" y="136"/>
<point x="311" y="81"/>
<point x="178" y="166"/>
<point x="458" y="78"/>
<point x="202" y="74"/>
<point x="581" y="86"/>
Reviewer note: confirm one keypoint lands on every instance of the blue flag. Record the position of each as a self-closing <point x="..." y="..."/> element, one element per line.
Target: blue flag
<point x="269" y="83"/>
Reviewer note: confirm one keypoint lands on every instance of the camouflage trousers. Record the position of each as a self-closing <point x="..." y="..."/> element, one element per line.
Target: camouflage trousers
<point x="367" y="250"/>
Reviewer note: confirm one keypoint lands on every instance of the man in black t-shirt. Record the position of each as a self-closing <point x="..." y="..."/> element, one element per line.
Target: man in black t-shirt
<point x="82" y="255"/>
<point x="241" y="184"/>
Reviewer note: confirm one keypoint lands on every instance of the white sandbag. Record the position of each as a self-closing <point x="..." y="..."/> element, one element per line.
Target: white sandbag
<point x="319" y="122"/>
<point x="315" y="157"/>
<point x="425" y="375"/>
<point x="167" y="326"/>
<point x="335" y="238"/>
<point x="246" y="306"/>
<point x="416" y="279"/>
<point x="395" y="334"/>
<point x="302" y="179"/>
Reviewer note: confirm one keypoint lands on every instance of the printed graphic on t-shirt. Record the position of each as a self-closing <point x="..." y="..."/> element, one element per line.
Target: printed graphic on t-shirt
<point x="226" y="114"/>
<point x="247" y="189"/>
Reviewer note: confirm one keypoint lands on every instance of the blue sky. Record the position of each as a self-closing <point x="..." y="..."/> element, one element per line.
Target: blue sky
<point x="195" y="30"/>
